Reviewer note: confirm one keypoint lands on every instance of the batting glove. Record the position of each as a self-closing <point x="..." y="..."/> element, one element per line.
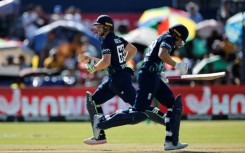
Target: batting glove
<point x="182" y="67"/>
<point x="89" y="68"/>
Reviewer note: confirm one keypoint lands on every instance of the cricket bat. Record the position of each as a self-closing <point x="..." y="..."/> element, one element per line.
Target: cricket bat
<point x="208" y="76"/>
<point x="82" y="57"/>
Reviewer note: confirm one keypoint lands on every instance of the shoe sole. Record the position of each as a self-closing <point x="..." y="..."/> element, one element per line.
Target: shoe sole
<point x="95" y="143"/>
<point x="176" y="148"/>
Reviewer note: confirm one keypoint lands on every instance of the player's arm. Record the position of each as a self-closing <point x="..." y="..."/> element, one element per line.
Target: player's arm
<point x="131" y="51"/>
<point x="165" y="57"/>
<point x="103" y="63"/>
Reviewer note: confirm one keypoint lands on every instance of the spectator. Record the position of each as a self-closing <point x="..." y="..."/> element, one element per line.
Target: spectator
<point x="52" y="60"/>
<point x="73" y="14"/>
<point x="42" y="19"/>
<point x="29" y="19"/>
<point x="66" y="52"/>
<point x="10" y="60"/>
<point x="122" y="29"/>
<point x="224" y="12"/>
<point x="193" y="12"/>
<point x="225" y="48"/>
<point x="22" y="62"/>
<point x="210" y="40"/>
<point x="57" y="14"/>
<point x="88" y="48"/>
<point x="50" y="43"/>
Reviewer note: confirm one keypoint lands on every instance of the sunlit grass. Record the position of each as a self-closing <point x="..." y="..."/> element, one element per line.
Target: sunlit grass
<point x="68" y="136"/>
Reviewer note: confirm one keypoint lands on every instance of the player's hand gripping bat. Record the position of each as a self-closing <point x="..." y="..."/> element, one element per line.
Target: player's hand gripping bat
<point x="86" y="59"/>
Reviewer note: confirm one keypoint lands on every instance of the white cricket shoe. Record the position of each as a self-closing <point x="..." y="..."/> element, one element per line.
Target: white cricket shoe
<point x="170" y="146"/>
<point x="96" y="130"/>
<point x="93" y="141"/>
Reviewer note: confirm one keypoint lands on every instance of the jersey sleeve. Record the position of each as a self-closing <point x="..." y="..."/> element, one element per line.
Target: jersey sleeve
<point x="106" y="49"/>
<point x="125" y="42"/>
<point x="167" y="43"/>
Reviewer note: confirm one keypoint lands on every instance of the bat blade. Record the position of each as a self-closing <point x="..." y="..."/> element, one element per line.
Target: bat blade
<point x="83" y="56"/>
<point x="208" y="76"/>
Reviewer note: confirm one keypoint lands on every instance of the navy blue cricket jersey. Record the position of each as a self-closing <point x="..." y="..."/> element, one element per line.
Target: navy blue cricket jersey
<point x="150" y="83"/>
<point x="115" y="46"/>
<point x="152" y="63"/>
<point x="120" y="80"/>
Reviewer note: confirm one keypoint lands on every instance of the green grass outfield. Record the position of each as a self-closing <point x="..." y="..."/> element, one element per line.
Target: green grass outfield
<point x="57" y="137"/>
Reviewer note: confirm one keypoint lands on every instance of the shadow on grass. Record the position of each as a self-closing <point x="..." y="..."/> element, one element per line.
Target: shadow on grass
<point x="194" y="152"/>
<point x="170" y="151"/>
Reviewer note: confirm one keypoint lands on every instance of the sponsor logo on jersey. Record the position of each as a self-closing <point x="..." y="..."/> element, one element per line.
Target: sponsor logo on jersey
<point x="117" y="41"/>
<point x="106" y="51"/>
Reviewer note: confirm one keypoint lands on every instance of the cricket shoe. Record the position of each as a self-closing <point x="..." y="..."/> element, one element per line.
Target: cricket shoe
<point x="93" y="141"/>
<point x="170" y="146"/>
<point x="96" y="130"/>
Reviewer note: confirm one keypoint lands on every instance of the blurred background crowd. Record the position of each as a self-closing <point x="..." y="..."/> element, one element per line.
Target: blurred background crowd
<point x="40" y="48"/>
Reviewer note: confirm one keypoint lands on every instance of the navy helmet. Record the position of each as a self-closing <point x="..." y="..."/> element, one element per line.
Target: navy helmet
<point x="180" y="31"/>
<point x="106" y="21"/>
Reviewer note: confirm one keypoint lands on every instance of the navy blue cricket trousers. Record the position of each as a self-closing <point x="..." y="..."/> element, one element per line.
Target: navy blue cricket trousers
<point x="150" y="86"/>
<point x="119" y="84"/>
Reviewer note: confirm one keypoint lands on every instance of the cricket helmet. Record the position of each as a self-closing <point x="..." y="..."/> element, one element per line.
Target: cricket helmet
<point x="179" y="30"/>
<point x="106" y="21"/>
